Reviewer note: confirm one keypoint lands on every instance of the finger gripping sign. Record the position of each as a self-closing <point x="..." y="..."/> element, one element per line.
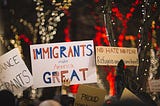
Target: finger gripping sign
<point x="14" y="74"/>
<point x="55" y="61"/>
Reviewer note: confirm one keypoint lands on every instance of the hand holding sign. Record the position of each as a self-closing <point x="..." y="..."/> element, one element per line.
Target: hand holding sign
<point x="65" y="86"/>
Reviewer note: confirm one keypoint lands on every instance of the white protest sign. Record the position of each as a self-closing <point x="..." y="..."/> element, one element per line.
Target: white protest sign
<point x="52" y="62"/>
<point x="154" y="85"/>
<point x="112" y="55"/>
<point x="14" y="74"/>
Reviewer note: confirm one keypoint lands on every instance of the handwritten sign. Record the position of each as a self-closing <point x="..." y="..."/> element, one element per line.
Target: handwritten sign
<point x="53" y="62"/>
<point x="112" y="55"/>
<point x="89" y="96"/>
<point x="14" y="74"/>
<point x="154" y="85"/>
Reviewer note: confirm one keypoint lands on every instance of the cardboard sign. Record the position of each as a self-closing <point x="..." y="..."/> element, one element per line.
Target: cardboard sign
<point x="127" y="94"/>
<point x="112" y="55"/>
<point x="154" y="85"/>
<point x="14" y="74"/>
<point x="53" y="62"/>
<point x="89" y="96"/>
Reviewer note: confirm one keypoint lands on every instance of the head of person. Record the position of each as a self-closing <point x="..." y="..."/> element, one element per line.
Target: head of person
<point x="7" y="98"/>
<point x="50" y="103"/>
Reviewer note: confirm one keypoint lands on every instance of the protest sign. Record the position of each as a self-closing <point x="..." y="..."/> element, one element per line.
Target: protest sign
<point x="112" y="55"/>
<point x="154" y="85"/>
<point x="14" y="74"/>
<point x="89" y="96"/>
<point x="55" y="61"/>
<point x="128" y="95"/>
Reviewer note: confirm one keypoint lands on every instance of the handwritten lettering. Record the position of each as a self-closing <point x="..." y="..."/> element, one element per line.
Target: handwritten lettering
<point x="18" y="82"/>
<point x="102" y="60"/>
<point x="128" y="51"/>
<point x="65" y="66"/>
<point x="91" y="98"/>
<point x="62" y="52"/>
<point x="9" y="63"/>
<point x="55" y="76"/>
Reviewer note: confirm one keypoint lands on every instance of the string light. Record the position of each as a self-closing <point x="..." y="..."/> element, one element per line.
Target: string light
<point x="4" y="42"/>
<point x="145" y="74"/>
<point x="124" y="19"/>
<point x="47" y="20"/>
<point x="31" y="28"/>
<point x="141" y="89"/>
<point x="137" y="78"/>
<point x="16" y="42"/>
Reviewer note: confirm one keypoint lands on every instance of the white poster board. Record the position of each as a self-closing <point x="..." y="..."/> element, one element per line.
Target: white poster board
<point x="112" y="55"/>
<point x="14" y="74"/>
<point x="55" y="61"/>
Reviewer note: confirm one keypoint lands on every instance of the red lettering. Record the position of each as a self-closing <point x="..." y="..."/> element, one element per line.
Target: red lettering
<point x="82" y="46"/>
<point x="55" y="55"/>
<point x="70" y="52"/>
<point x="62" y="74"/>
<point x="83" y="72"/>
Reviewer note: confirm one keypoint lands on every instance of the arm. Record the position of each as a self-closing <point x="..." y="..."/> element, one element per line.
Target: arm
<point x="65" y="86"/>
<point x="65" y="99"/>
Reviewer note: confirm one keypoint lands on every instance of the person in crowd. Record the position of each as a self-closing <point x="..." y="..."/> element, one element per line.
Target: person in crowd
<point x="64" y="98"/>
<point x="60" y="100"/>
<point x="50" y="103"/>
<point x="48" y="93"/>
<point x="7" y="98"/>
<point x="120" y="78"/>
<point x="25" y="100"/>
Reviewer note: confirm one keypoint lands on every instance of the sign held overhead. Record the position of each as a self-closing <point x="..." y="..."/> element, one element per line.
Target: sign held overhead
<point x="55" y="61"/>
<point x="112" y="55"/>
<point x="14" y="74"/>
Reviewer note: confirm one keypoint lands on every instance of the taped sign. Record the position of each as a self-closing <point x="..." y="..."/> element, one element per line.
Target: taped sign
<point x="89" y="96"/>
